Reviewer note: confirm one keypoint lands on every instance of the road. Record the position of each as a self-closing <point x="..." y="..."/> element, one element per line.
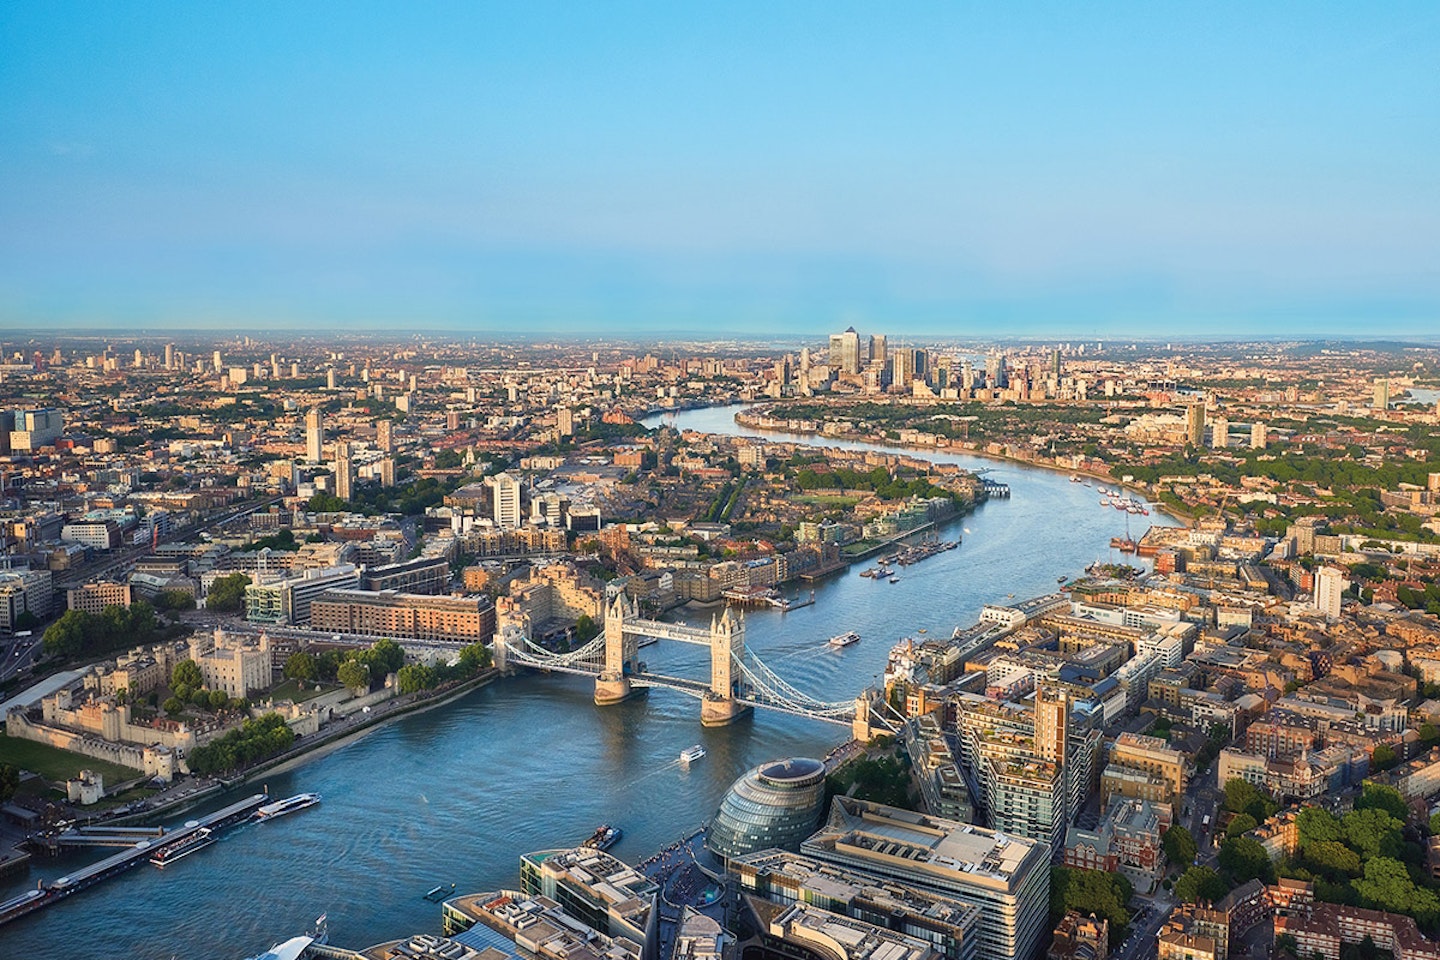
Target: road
<point x="1145" y="923"/>
<point x="123" y="556"/>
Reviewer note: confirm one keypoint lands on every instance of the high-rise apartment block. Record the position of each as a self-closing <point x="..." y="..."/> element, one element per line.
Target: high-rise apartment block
<point x="344" y="470"/>
<point x="314" y="435"/>
<point x="1220" y="433"/>
<point x="1259" y="436"/>
<point x="1195" y="424"/>
<point x="505" y="500"/>
<point x="1330" y="585"/>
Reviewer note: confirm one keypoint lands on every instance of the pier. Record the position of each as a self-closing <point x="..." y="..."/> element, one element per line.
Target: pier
<point x="106" y="836"/>
<point x="47" y="893"/>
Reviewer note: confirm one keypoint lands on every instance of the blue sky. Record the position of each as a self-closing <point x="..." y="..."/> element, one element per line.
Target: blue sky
<point x="950" y="168"/>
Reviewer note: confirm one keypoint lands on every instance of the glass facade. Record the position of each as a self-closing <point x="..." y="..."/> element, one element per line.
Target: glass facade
<point x="777" y="804"/>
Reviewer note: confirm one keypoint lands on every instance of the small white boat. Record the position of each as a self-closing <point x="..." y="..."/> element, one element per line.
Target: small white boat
<point x="844" y="639"/>
<point x="691" y="754"/>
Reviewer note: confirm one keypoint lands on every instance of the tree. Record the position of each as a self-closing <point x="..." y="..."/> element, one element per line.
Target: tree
<point x="586" y="629"/>
<point x="227" y="594"/>
<point x="1372" y="832"/>
<point x="218" y="700"/>
<point x="1332" y="858"/>
<point x="1383" y="757"/>
<point x="173" y="705"/>
<point x="9" y="781"/>
<point x="1316" y="824"/>
<point x="414" y="677"/>
<point x="1200" y="884"/>
<point x="1434" y="824"/>
<point x="186" y="673"/>
<point x="1092" y="891"/>
<point x="1242" y="824"/>
<point x="1378" y="796"/>
<point x="175" y="600"/>
<point x="1239" y="794"/>
<point x="1180" y="848"/>
<point x="1243" y="797"/>
<point x="1244" y="859"/>
<point x="474" y="657"/>
<point x="355" y="675"/>
<point x="1387" y="886"/>
<point x="300" y="666"/>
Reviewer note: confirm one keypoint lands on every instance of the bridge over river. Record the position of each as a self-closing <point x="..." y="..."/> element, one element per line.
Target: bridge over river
<point x="739" y="680"/>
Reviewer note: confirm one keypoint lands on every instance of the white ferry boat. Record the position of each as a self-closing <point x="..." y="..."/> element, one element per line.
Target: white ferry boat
<point x="690" y="754"/>
<point x="180" y="849"/>
<point x="845" y="639"/>
<point x="289" y="805"/>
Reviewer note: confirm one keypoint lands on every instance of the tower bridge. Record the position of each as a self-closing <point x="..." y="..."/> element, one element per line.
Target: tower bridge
<point x="739" y="680"/>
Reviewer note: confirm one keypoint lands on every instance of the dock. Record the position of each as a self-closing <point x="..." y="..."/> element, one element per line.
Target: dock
<point x="46" y="894"/>
<point x="767" y="597"/>
<point x="106" y="836"/>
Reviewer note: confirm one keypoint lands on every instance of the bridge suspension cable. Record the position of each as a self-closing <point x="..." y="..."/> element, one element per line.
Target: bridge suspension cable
<point x="591" y="654"/>
<point x="772" y="688"/>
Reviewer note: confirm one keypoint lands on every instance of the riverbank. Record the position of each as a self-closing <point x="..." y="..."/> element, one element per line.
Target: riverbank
<point x="1132" y="488"/>
<point x="340" y="738"/>
<point x="319" y="745"/>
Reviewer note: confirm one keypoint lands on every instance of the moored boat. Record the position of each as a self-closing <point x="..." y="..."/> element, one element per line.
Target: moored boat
<point x="182" y="848"/>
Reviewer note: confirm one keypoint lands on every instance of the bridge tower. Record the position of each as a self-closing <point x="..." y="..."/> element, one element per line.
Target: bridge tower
<point x="867" y="704"/>
<point x="613" y="684"/>
<point x="727" y="644"/>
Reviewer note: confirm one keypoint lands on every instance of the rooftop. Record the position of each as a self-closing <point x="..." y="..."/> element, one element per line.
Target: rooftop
<point x="965" y="852"/>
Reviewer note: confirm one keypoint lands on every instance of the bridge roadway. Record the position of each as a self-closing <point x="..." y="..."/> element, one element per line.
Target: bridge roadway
<point x="695" y="688"/>
<point x="46" y="894"/>
<point x="668" y="631"/>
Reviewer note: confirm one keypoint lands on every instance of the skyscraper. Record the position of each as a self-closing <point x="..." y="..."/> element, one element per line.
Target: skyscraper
<point x="878" y="352"/>
<point x="314" y="435"/>
<point x="845" y="351"/>
<point x="505" y="500"/>
<point x="1330" y="584"/>
<point x="1382" y="394"/>
<point x="1052" y="711"/>
<point x="1195" y="424"/>
<point x="344" y="472"/>
<point x="902" y="368"/>
<point x="384" y="439"/>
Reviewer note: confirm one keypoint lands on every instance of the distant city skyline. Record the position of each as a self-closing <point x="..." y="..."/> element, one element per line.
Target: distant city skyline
<point x="1085" y="172"/>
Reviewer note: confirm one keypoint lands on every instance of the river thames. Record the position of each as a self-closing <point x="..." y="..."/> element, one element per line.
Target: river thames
<point x="457" y="794"/>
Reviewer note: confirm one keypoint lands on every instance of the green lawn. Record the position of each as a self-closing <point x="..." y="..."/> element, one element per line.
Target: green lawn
<point x="290" y="690"/>
<point x="59" y="765"/>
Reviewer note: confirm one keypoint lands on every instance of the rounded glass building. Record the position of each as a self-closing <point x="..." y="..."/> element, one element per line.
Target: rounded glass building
<point x="777" y="804"/>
